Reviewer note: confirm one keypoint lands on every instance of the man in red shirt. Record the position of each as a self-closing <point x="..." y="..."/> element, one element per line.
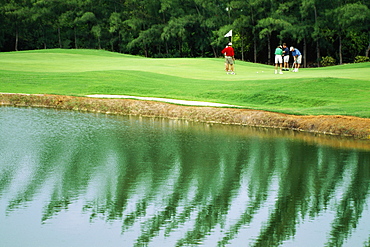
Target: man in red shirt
<point x="229" y="58"/>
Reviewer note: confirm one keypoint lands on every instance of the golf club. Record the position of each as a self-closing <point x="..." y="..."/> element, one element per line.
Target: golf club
<point x="291" y="70"/>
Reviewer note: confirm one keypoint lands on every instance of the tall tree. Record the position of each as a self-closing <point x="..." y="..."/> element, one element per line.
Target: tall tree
<point x="268" y="26"/>
<point x="350" y="20"/>
<point x="18" y="13"/>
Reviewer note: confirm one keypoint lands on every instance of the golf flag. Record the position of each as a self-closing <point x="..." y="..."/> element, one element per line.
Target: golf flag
<point x="229" y="34"/>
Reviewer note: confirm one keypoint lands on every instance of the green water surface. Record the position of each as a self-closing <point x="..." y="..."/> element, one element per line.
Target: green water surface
<point x="80" y="179"/>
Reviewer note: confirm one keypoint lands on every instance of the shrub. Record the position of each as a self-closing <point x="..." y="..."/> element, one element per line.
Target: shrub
<point x="361" y="59"/>
<point x="327" y="61"/>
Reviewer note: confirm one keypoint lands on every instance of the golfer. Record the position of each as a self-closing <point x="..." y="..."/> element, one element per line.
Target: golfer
<point x="297" y="58"/>
<point x="226" y="65"/>
<point x="229" y="58"/>
<point x="286" y="57"/>
<point x="278" y="59"/>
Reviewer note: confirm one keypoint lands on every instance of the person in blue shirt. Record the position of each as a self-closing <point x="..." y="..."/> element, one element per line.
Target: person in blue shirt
<point x="297" y="58"/>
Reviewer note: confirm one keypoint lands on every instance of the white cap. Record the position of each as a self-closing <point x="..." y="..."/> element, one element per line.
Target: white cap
<point x="230" y="44"/>
<point x="291" y="48"/>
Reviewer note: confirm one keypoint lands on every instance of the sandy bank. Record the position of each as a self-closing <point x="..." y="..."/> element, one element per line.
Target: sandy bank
<point x="355" y="127"/>
<point x="173" y="101"/>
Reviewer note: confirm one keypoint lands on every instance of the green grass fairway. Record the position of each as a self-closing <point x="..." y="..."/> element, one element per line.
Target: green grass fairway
<point x="343" y="90"/>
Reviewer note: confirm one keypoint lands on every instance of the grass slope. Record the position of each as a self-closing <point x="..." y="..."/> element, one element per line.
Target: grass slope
<point x="343" y="90"/>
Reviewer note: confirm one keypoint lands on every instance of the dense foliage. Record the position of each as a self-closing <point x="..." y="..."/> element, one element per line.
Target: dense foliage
<point x="190" y="28"/>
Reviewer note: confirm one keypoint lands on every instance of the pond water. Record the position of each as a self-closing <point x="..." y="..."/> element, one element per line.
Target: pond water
<point x="80" y="179"/>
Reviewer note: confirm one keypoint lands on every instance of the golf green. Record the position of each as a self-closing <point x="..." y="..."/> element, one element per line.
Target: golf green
<point x="337" y="90"/>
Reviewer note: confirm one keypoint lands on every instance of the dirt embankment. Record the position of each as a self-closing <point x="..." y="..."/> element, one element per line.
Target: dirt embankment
<point x="358" y="128"/>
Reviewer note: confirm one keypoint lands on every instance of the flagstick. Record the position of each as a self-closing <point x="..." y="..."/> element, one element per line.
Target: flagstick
<point x="230" y="36"/>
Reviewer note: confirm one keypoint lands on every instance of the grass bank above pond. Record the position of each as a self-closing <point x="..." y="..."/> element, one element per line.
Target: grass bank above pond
<point x="339" y="90"/>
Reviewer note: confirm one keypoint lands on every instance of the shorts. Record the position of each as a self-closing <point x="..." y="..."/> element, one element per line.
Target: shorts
<point x="286" y="59"/>
<point x="278" y="59"/>
<point x="229" y="60"/>
<point x="299" y="59"/>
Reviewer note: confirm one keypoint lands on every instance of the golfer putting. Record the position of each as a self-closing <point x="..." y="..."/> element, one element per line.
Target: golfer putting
<point x="229" y="58"/>
<point x="297" y="58"/>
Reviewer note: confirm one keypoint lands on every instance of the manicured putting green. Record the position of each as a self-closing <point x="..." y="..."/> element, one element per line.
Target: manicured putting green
<point x="343" y="90"/>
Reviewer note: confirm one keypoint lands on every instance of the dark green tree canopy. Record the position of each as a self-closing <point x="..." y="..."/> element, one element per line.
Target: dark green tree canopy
<point x="190" y="28"/>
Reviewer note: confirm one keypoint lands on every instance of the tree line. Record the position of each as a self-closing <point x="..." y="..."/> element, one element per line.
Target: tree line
<point x="190" y="28"/>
